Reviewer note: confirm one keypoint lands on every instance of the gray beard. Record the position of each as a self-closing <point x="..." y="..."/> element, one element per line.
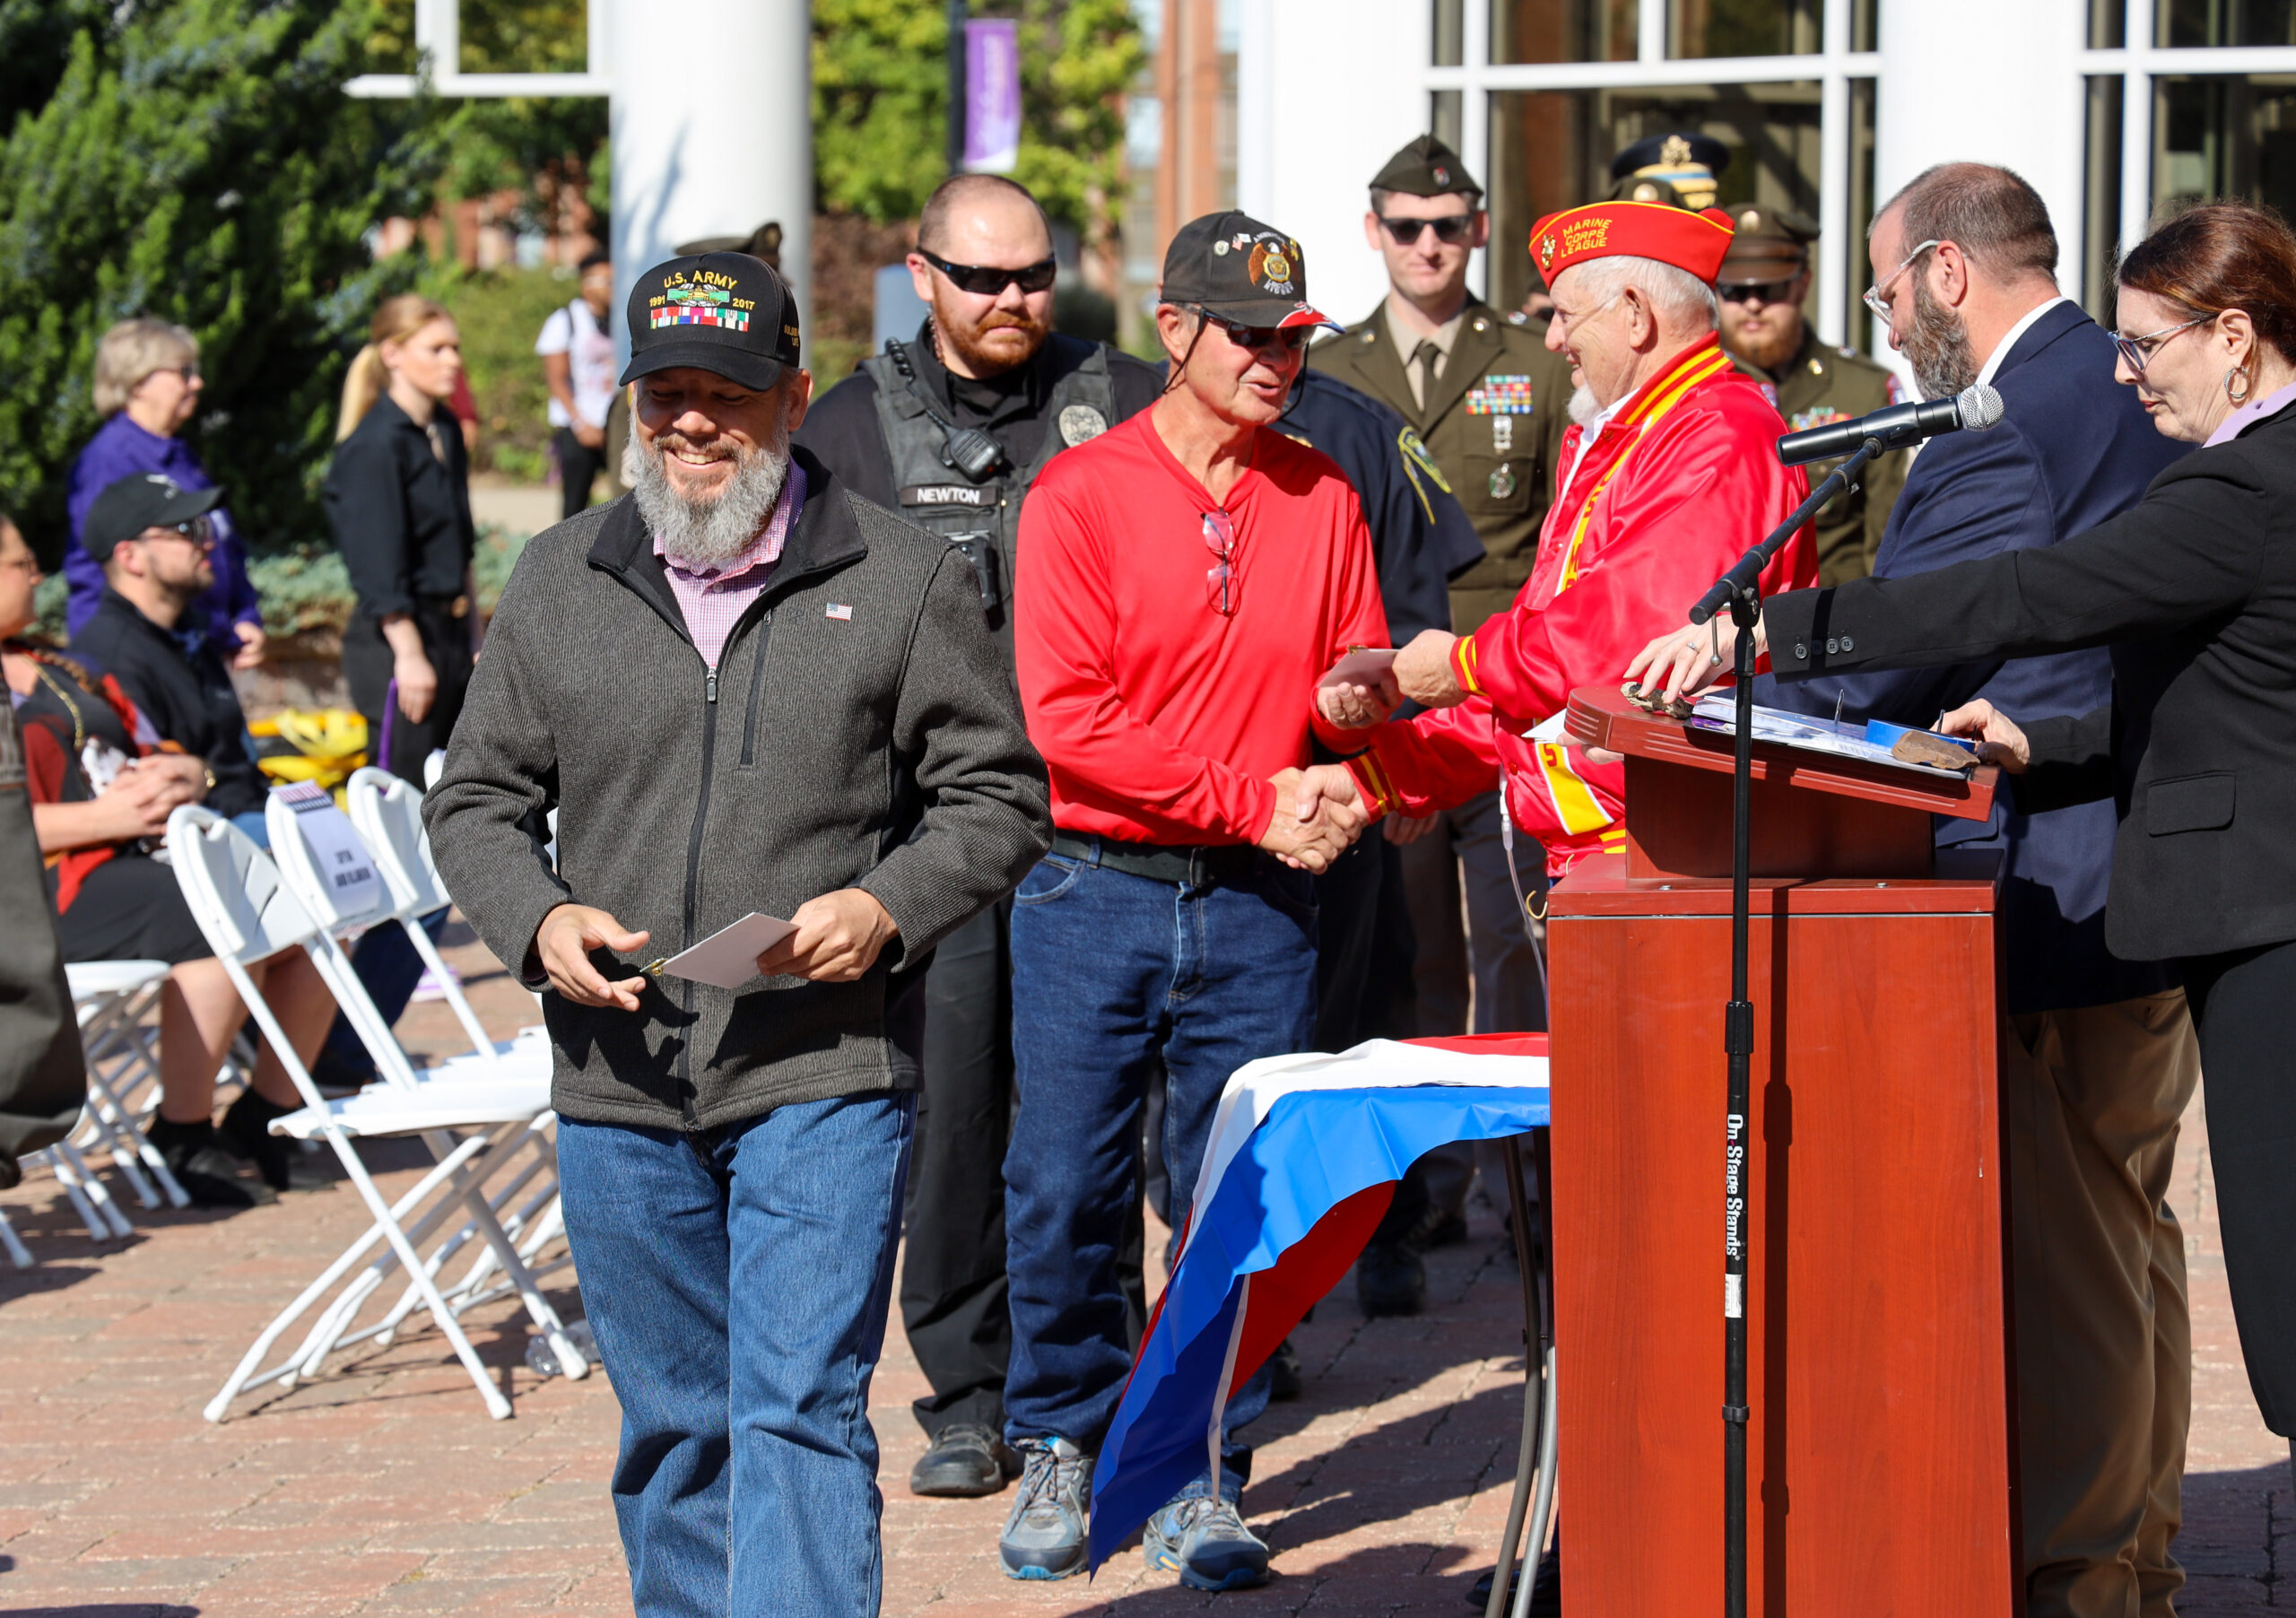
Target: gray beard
<point x="1583" y="407"/>
<point x="706" y="532"/>
<point x="1938" y="348"/>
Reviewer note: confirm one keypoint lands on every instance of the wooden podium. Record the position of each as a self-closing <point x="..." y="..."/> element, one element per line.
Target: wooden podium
<point x="1879" y="1453"/>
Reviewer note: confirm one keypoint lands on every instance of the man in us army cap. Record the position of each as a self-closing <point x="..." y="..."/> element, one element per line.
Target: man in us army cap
<point x="1491" y="404"/>
<point x="985" y="361"/>
<point x="1764" y="278"/>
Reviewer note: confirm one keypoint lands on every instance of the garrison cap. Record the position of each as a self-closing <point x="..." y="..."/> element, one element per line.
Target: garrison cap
<point x="1769" y="244"/>
<point x="1688" y="163"/>
<point x="1426" y="168"/>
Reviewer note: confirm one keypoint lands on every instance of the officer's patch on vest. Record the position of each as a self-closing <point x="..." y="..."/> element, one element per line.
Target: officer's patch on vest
<point x="1500" y="396"/>
<point x="1079" y="424"/>
<point x="952" y="494"/>
<point x="1819" y="416"/>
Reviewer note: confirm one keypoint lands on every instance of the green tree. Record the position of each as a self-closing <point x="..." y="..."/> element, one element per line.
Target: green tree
<point x="196" y="161"/>
<point x="880" y="104"/>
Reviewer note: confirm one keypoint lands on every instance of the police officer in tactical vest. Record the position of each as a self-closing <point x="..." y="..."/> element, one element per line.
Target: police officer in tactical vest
<point x="1490" y="405"/>
<point x="950" y="430"/>
<point x="1764" y="278"/>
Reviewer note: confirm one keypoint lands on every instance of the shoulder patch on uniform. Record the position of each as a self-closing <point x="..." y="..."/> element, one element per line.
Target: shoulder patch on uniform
<point x="1081" y="423"/>
<point x="1417" y="460"/>
<point x="1846" y="353"/>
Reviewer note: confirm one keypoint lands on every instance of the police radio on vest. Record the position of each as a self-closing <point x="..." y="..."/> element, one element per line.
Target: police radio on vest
<point x="1974" y="409"/>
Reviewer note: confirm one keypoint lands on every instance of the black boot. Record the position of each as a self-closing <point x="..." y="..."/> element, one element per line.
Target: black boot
<point x="246" y="1132"/>
<point x="208" y="1174"/>
<point x="964" y="1461"/>
<point x="1390" y="1280"/>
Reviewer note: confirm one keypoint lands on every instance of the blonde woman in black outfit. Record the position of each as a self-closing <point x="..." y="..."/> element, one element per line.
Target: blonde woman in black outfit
<point x="398" y="500"/>
<point x="2194" y="589"/>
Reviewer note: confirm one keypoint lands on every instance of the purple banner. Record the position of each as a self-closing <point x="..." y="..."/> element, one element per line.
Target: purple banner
<point x="992" y="95"/>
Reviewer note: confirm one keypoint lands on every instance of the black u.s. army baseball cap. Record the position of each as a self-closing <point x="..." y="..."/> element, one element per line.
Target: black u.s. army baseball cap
<point x="1232" y="266"/>
<point x="726" y="313"/>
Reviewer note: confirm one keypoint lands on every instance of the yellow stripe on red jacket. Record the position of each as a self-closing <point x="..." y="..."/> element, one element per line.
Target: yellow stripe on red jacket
<point x="1673" y="491"/>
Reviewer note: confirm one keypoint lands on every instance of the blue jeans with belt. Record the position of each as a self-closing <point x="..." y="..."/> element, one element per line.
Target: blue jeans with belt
<point x="1112" y="973"/>
<point x="739" y="1280"/>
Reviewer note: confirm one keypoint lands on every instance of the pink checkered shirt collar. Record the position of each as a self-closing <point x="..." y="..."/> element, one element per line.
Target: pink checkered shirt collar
<point x="713" y="599"/>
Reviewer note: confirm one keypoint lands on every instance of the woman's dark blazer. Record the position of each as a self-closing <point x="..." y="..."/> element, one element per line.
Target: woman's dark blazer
<point x="2194" y="588"/>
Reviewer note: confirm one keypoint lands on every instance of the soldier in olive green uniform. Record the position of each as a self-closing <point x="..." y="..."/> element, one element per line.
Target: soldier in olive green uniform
<point x="1493" y="409"/>
<point x="1491" y="404"/>
<point x="1762" y="282"/>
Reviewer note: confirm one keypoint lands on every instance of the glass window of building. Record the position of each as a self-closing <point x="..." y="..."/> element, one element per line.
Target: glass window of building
<point x="1552" y="149"/>
<point x="1744" y="28"/>
<point x="1564" y="31"/>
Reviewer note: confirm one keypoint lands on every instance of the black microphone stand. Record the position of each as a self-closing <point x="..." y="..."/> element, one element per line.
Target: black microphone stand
<point x="1740" y="590"/>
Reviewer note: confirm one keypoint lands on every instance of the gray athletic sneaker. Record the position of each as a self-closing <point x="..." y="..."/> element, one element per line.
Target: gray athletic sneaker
<point x="1203" y="1539"/>
<point x="1044" y="1538"/>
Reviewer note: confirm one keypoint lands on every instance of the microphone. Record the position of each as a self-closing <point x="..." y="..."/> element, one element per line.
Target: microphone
<point x="1974" y="409"/>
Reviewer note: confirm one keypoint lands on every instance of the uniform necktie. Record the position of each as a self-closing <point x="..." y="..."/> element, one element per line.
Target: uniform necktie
<point x="1429" y="359"/>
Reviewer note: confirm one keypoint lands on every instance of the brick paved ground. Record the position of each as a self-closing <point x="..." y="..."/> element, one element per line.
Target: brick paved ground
<point x="383" y="1489"/>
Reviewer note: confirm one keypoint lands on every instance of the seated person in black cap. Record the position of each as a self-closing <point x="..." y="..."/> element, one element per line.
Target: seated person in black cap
<point x="102" y="785"/>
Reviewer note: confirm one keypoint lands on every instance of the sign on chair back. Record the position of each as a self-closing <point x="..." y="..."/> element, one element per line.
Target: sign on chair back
<point x="387" y="813"/>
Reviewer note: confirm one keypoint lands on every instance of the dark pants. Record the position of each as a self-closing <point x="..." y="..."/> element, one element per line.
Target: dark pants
<point x="953" y="1291"/>
<point x="395" y="742"/>
<point x="2241" y="1002"/>
<point x="1364" y="948"/>
<point x="1113" y="973"/>
<point x="579" y="466"/>
<point x="738" y="1281"/>
<point x="389" y="969"/>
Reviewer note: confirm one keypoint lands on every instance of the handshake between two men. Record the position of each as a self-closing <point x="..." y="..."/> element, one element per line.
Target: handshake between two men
<point x="1318" y="810"/>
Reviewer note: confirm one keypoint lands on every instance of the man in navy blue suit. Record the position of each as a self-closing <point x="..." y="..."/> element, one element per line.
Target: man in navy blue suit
<point x="2098" y="1058"/>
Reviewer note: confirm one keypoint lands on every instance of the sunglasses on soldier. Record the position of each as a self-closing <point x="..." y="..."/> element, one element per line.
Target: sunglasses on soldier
<point x="987" y="281"/>
<point x="1450" y="230"/>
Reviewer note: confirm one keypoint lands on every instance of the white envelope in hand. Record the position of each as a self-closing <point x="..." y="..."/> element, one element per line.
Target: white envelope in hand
<point x="1362" y="666"/>
<point x="727" y="958"/>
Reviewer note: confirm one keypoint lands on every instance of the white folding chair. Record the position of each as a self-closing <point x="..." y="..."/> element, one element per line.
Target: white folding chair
<point x="517" y="1074"/>
<point x="113" y="999"/>
<point x="247" y="915"/>
<point x="387" y="813"/>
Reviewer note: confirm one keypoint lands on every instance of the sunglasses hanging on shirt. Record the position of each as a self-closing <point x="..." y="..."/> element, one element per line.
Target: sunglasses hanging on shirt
<point x="985" y="281"/>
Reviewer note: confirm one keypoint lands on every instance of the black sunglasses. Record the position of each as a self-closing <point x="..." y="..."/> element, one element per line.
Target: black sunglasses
<point x="1292" y="338"/>
<point x="1768" y="292"/>
<point x="1450" y="230"/>
<point x="987" y="282"/>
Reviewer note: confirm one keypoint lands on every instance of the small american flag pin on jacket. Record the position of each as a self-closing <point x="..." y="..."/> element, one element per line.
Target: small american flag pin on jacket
<point x="840" y="612"/>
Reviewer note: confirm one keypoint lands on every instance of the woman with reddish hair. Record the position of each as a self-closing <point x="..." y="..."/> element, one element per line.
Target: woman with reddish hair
<point x="2194" y="589"/>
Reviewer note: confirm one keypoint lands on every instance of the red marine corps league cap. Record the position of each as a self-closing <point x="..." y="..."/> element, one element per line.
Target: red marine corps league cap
<point x="724" y="313"/>
<point x="1695" y="242"/>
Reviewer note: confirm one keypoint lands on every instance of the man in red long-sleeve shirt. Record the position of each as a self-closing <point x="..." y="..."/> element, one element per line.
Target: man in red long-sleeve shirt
<point x="1182" y="581"/>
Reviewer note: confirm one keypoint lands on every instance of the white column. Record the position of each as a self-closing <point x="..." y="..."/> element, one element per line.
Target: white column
<point x="712" y="131"/>
<point x="1988" y="81"/>
<point x="1326" y="124"/>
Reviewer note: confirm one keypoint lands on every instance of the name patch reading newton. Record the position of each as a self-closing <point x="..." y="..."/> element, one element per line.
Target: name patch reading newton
<point x="952" y="494"/>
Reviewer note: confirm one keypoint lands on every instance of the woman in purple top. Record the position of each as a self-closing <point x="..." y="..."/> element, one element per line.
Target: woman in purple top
<point x="147" y="387"/>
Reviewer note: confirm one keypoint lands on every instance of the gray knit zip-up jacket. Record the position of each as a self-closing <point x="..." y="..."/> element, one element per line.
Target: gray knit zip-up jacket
<point x="861" y="730"/>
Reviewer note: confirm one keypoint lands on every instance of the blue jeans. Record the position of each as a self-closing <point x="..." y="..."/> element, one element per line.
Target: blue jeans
<point x="738" y="1281"/>
<point x="1111" y="973"/>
